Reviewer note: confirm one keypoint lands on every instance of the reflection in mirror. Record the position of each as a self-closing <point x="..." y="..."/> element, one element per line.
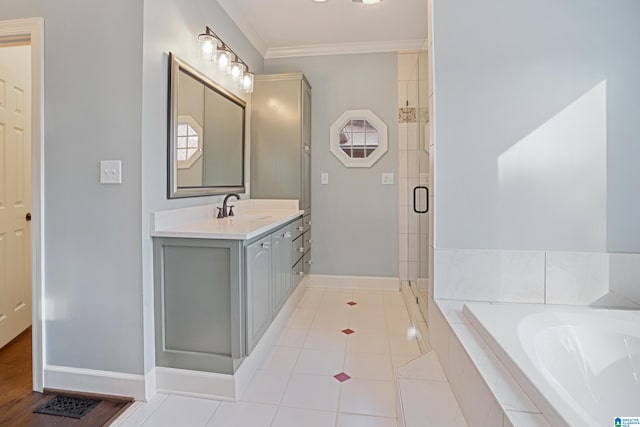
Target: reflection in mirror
<point x="206" y="135"/>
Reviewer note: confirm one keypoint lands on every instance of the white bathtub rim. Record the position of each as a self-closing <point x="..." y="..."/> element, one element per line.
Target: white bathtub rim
<point x="538" y="390"/>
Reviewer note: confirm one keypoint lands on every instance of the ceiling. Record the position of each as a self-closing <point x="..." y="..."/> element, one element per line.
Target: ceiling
<point x="281" y="28"/>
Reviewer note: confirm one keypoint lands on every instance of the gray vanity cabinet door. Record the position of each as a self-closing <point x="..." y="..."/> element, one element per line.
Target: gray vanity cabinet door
<point x="281" y="256"/>
<point x="258" y="276"/>
<point x="306" y="148"/>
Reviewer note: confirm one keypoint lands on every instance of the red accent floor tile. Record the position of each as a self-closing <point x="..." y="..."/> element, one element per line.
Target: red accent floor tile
<point x="348" y="331"/>
<point x="352" y="303"/>
<point x="342" y="377"/>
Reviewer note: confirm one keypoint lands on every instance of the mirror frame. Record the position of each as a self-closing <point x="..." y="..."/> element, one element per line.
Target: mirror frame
<point x="176" y="65"/>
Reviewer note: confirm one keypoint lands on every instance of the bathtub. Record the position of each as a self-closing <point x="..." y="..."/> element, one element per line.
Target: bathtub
<point x="579" y="366"/>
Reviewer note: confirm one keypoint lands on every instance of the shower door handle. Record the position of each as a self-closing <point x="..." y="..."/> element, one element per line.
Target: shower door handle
<point x="415" y="199"/>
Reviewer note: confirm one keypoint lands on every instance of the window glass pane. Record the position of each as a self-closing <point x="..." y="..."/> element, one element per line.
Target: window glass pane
<point x="368" y="127"/>
<point x="358" y="125"/>
<point x="372" y="140"/>
<point x="182" y="129"/>
<point x="182" y="142"/>
<point x="191" y="152"/>
<point x="192" y="142"/>
<point x="358" y="139"/>
<point x="182" y="155"/>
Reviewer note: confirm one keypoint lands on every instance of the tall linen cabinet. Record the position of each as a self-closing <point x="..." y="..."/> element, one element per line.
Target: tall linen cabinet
<point x="281" y="148"/>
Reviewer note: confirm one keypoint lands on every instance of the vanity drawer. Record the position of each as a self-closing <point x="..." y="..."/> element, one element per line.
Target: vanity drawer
<point x="297" y="227"/>
<point x="306" y="222"/>
<point x="297" y="249"/>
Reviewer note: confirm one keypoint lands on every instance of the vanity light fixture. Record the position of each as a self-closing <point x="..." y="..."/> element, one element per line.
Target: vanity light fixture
<point x="366" y="1"/>
<point x="213" y="48"/>
<point x="208" y="46"/>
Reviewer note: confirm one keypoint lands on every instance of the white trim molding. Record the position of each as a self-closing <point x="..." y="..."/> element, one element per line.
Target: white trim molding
<point x="345" y="48"/>
<point x="32" y="31"/>
<point x="353" y="282"/>
<point x="96" y="382"/>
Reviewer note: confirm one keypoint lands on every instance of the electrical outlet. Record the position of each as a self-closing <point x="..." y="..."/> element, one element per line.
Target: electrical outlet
<point x="110" y="172"/>
<point x="387" y="178"/>
<point x="324" y="178"/>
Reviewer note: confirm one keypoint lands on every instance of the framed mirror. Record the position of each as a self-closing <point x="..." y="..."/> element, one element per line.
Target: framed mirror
<point x="206" y="138"/>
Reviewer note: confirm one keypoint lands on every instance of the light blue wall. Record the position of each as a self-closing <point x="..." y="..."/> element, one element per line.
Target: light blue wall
<point x="355" y="218"/>
<point x="93" y="268"/>
<point x="106" y="98"/>
<point x="536" y="121"/>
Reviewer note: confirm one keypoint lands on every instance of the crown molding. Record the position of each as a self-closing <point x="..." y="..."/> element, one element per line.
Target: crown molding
<point x="345" y="48"/>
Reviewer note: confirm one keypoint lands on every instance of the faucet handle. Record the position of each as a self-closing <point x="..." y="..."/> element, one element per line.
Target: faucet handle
<point x="221" y="212"/>
<point x="230" y="213"/>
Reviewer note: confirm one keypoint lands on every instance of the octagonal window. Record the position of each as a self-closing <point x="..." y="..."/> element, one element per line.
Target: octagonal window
<point x="188" y="142"/>
<point x="358" y="138"/>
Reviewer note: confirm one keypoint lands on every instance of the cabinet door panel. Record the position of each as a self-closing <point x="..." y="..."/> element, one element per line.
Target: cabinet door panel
<point x="259" y="284"/>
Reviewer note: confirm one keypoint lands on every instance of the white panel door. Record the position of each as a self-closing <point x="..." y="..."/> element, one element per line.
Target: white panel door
<point x="15" y="191"/>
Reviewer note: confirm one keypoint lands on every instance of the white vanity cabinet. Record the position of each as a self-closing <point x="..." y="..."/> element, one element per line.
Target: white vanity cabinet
<point x="215" y="298"/>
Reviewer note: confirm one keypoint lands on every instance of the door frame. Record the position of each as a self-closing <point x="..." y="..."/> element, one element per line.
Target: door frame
<point x="32" y="30"/>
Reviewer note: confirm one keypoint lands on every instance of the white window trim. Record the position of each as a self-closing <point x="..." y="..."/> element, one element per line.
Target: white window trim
<point x="186" y="164"/>
<point x="375" y="121"/>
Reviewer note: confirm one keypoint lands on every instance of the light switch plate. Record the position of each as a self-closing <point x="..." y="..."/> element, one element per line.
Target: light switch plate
<point x="324" y="178"/>
<point x="387" y="178"/>
<point x="110" y="172"/>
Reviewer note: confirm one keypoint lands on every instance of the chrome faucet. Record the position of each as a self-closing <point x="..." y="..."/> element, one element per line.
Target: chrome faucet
<point x="225" y="210"/>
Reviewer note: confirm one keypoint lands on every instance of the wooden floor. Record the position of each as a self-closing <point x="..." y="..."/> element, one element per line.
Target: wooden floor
<point x="17" y="400"/>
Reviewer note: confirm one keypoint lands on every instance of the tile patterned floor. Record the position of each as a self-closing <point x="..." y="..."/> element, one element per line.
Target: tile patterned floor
<point x="296" y="386"/>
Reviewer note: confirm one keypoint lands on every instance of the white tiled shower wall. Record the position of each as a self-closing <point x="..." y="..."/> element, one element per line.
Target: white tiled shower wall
<point x="410" y="143"/>
<point x="599" y="279"/>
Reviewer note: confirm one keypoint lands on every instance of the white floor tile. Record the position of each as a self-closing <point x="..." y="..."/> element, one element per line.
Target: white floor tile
<point x="183" y="411"/>
<point x="292" y="337"/>
<point x="231" y="414"/>
<point x="402" y="345"/>
<point x="368" y="342"/>
<point x="429" y="403"/>
<point x="369" y="366"/>
<point x="424" y="367"/>
<point x="320" y="362"/>
<point x="366" y="397"/>
<point x="351" y="420"/>
<point x="296" y="417"/>
<point x="281" y="359"/>
<point x="312" y="392"/>
<point x="326" y="340"/>
<point x="365" y="321"/>
<point x="143" y="411"/>
<point x="267" y="387"/>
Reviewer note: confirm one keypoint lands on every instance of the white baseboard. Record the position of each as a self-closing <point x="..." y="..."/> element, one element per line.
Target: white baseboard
<point x="150" y="385"/>
<point x="353" y="282"/>
<point x="205" y="385"/>
<point x="93" y="381"/>
<point x="209" y="385"/>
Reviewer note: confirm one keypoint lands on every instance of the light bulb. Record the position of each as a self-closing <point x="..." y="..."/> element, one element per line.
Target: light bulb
<point x="208" y="46"/>
<point x="247" y="82"/>
<point x="224" y="60"/>
<point x="237" y="70"/>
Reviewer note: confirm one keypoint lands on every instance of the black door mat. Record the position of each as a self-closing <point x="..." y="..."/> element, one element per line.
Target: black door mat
<point x="64" y="406"/>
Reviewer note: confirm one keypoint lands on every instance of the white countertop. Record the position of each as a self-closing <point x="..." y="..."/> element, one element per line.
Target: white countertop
<point x="252" y="218"/>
